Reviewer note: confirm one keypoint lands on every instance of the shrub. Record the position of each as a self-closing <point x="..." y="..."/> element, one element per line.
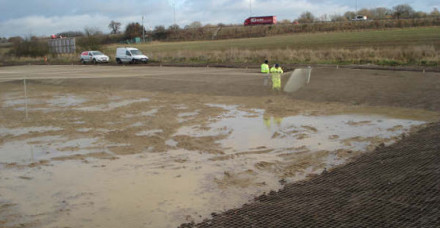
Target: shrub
<point x="418" y="55"/>
<point x="30" y="47"/>
<point x="90" y="42"/>
<point x="92" y="39"/>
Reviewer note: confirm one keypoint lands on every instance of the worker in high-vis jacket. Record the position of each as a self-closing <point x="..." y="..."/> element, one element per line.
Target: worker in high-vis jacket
<point x="265" y="70"/>
<point x="276" y="72"/>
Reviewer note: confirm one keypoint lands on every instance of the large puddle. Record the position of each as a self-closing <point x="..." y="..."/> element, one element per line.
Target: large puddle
<point x="151" y="160"/>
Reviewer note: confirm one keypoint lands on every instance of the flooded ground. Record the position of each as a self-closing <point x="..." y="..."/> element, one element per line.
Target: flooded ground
<point x="124" y="158"/>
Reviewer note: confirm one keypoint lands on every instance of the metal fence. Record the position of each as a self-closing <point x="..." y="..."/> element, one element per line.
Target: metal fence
<point x="62" y="45"/>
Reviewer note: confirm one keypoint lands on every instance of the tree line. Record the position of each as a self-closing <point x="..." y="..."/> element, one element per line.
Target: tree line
<point x="402" y="11"/>
<point x="160" y="32"/>
<point x="92" y="38"/>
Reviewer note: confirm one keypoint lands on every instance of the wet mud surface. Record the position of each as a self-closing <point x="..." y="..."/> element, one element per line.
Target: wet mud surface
<point x="395" y="186"/>
<point x="166" y="147"/>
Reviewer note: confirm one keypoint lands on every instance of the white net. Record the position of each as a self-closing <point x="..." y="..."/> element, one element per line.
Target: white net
<point x="298" y="79"/>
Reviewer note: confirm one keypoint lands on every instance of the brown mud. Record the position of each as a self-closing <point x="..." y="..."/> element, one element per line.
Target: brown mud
<point x="395" y="186"/>
<point x="171" y="125"/>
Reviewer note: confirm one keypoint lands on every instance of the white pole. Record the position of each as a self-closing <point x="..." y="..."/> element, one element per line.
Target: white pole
<point x="143" y="30"/>
<point x="356" y="7"/>
<point x="25" y="98"/>
<point x="250" y="8"/>
<point x="174" y="9"/>
<point x="310" y="74"/>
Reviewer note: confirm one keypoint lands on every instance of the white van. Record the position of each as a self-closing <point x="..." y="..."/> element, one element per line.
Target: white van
<point x="130" y="55"/>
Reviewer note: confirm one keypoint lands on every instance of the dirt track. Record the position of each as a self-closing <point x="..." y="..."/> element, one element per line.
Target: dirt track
<point x="367" y="87"/>
<point x="412" y="95"/>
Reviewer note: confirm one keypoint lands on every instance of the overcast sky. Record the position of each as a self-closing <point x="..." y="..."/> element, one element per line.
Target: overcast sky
<point x="45" y="17"/>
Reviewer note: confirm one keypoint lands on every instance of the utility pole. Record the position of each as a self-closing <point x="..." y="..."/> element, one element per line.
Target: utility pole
<point x="250" y="8"/>
<point x="174" y="9"/>
<point x="25" y="98"/>
<point x="143" y="30"/>
<point x="356" y="7"/>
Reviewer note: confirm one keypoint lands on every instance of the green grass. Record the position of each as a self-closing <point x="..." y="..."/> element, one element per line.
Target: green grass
<point x="410" y="46"/>
<point x="4" y="50"/>
<point x="359" y="39"/>
<point x="418" y="46"/>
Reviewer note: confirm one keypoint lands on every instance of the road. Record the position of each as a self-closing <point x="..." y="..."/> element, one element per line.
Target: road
<point x="101" y="71"/>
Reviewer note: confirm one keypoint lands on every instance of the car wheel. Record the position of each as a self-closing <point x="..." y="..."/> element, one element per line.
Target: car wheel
<point x="118" y="61"/>
<point x="94" y="61"/>
<point x="83" y="61"/>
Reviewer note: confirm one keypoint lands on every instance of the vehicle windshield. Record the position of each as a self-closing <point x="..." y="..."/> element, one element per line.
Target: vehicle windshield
<point x="97" y="53"/>
<point x="136" y="52"/>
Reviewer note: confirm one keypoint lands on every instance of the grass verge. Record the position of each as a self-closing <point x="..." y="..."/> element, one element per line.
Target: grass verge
<point x="409" y="47"/>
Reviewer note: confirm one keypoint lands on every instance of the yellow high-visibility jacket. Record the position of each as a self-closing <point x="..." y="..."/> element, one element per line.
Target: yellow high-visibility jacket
<point x="276" y="77"/>
<point x="278" y="70"/>
<point x="264" y="68"/>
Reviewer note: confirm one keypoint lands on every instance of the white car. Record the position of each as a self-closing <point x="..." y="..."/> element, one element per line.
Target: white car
<point x="130" y="55"/>
<point x="94" y="57"/>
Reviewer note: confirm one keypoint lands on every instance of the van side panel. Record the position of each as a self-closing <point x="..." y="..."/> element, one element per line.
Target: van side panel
<point x="120" y="54"/>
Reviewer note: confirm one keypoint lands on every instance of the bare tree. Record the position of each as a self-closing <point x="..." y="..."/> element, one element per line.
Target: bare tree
<point x="349" y="15"/>
<point x="15" y="39"/>
<point x="174" y="27"/>
<point x="365" y="12"/>
<point x="403" y="11"/>
<point x="114" y="27"/>
<point x="420" y="14"/>
<point x="324" y="17"/>
<point x="133" y="30"/>
<point x="306" y="17"/>
<point x="193" y="25"/>
<point x="380" y="13"/>
<point x="92" y="39"/>
<point x="160" y="33"/>
<point x="92" y="31"/>
<point x="435" y="13"/>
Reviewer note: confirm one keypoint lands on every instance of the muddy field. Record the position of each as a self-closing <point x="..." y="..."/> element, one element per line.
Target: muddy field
<point x="134" y="146"/>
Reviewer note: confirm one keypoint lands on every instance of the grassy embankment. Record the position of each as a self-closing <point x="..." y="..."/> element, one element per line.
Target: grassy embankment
<point x="410" y="47"/>
<point x="413" y="46"/>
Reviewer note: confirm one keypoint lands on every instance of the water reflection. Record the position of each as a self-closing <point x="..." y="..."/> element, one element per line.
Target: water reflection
<point x="206" y="166"/>
<point x="270" y="120"/>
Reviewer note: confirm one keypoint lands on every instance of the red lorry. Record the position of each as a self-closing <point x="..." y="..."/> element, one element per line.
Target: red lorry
<point x="265" y="20"/>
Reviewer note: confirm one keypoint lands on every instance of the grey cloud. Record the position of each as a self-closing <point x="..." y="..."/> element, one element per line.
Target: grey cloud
<point x="50" y="8"/>
<point x="51" y="16"/>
